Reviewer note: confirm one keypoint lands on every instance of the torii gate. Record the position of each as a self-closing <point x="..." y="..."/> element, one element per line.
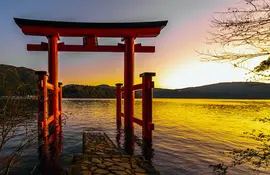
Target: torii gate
<point x="90" y="32"/>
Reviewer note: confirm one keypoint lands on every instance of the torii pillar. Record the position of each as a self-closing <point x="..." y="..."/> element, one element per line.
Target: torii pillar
<point x="128" y="83"/>
<point x="53" y="72"/>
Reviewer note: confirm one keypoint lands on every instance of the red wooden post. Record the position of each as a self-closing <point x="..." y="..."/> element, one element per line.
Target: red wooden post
<point x="56" y="135"/>
<point x="45" y="154"/>
<point x="60" y="102"/>
<point x="58" y="125"/>
<point x="40" y="103"/>
<point x="118" y="104"/>
<point x="128" y="83"/>
<point x="53" y="73"/>
<point x="45" y="92"/>
<point x="147" y="97"/>
<point x="42" y="77"/>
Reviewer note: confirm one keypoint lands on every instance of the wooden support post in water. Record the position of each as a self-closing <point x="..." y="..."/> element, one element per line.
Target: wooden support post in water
<point x="147" y="98"/>
<point x="118" y="104"/>
<point x="128" y="83"/>
<point x="58" y="124"/>
<point x="43" y="100"/>
<point x="53" y="73"/>
<point x="60" y="102"/>
<point x="40" y="103"/>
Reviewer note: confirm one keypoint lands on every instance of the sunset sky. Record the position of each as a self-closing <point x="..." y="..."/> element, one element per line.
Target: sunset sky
<point x="175" y="61"/>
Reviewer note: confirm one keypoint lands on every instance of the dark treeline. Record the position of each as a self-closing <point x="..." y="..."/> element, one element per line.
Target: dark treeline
<point x="84" y="91"/>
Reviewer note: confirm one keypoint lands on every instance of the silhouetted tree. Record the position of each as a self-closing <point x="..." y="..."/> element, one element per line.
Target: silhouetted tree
<point x="258" y="157"/>
<point x="243" y="35"/>
<point x="16" y="121"/>
<point x="243" y="27"/>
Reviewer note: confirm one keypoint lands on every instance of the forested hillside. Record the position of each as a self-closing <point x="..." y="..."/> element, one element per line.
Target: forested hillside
<point x="17" y="81"/>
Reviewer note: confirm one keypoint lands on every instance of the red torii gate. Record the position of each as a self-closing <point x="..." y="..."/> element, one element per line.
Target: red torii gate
<point x="90" y="32"/>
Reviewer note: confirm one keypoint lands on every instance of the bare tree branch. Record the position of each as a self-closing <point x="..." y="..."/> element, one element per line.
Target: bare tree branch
<point x="246" y="27"/>
<point x="17" y="119"/>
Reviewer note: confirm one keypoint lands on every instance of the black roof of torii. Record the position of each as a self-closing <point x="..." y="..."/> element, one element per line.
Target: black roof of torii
<point x="63" y="24"/>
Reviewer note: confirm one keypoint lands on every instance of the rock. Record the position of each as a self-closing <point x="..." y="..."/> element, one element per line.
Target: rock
<point x="118" y="156"/>
<point x="128" y="171"/>
<point x="86" y="163"/>
<point x="101" y="166"/>
<point x="101" y="171"/>
<point x="139" y="170"/>
<point x="133" y="164"/>
<point x="96" y="160"/>
<point x="100" y="153"/>
<point x="85" y="173"/>
<point x="126" y="165"/>
<point x="116" y="159"/>
<point x="117" y="168"/>
<point x="84" y="167"/>
<point x="109" y="160"/>
<point x="93" y="168"/>
<point x="108" y="163"/>
<point x="120" y="172"/>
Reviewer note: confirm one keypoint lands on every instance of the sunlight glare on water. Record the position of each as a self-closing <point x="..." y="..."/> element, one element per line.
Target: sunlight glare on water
<point x="189" y="133"/>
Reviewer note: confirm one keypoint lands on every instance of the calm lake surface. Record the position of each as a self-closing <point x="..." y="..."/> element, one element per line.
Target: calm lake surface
<point x="189" y="133"/>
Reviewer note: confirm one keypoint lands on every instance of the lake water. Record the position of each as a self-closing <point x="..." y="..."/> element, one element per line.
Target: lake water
<point x="189" y="133"/>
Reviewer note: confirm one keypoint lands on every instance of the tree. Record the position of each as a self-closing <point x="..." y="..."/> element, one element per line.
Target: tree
<point x="17" y="120"/>
<point x="243" y="34"/>
<point x="245" y="28"/>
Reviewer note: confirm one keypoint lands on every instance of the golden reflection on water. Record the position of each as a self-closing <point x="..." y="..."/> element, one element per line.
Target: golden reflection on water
<point x="189" y="133"/>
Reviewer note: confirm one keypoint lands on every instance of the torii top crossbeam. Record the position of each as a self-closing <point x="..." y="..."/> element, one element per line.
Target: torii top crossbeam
<point x="90" y="32"/>
<point x="44" y="28"/>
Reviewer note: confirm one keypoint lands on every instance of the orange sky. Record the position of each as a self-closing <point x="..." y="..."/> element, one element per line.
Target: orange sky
<point x="176" y="63"/>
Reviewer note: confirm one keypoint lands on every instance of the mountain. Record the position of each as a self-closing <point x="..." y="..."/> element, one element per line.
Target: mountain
<point x="17" y="81"/>
<point x="233" y="90"/>
<point x="12" y="77"/>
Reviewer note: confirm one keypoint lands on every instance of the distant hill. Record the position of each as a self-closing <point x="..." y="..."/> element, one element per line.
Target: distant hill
<point x="18" y="81"/>
<point x="12" y="77"/>
<point x="84" y="91"/>
<point x="234" y="90"/>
